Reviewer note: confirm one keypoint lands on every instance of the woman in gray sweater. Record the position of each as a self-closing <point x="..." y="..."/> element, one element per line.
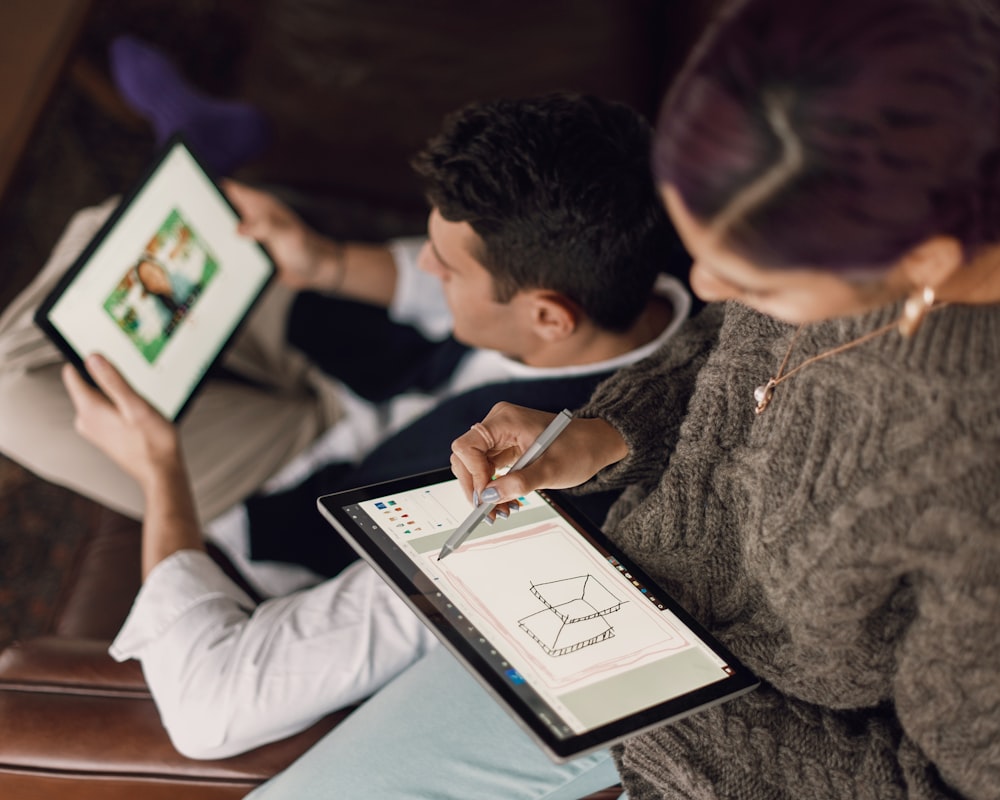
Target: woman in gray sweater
<point x="813" y="469"/>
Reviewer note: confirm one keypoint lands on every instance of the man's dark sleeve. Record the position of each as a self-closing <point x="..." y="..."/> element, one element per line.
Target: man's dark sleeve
<point x="360" y="345"/>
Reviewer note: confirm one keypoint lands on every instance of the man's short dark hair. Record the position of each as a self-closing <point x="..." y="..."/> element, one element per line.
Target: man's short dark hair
<point x="560" y="190"/>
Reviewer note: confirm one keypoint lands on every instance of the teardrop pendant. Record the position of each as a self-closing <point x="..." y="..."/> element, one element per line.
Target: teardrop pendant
<point x="763" y="393"/>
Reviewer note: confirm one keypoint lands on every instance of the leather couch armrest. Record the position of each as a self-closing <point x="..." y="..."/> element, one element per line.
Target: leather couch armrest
<point x="105" y="581"/>
<point x="71" y="666"/>
<point x="80" y="716"/>
<point x="105" y="735"/>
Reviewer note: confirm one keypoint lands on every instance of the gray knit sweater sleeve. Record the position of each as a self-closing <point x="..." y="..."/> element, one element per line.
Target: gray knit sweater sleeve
<point x="845" y="545"/>
<point x="647" y="402"/>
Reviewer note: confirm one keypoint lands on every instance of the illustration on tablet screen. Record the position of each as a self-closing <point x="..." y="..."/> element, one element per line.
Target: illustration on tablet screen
<point x="159" y="289"/>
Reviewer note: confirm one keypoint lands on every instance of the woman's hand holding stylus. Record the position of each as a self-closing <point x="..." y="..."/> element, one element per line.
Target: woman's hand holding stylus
<point x="489" y="447"/>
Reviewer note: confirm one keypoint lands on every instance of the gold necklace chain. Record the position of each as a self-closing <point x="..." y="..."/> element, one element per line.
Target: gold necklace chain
<point x="763" y="393"/>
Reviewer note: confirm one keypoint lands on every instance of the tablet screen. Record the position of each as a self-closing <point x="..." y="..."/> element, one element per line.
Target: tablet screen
<point x="163" y="286"/>
<point x="580" y="645"/>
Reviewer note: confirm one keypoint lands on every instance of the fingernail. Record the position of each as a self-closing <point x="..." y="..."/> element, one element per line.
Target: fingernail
<point x="488" y="520"/>
<point x="515" y="506"/>
<point x="502" y="514"/>
<point x="490" y="495"/>
<point x="475" y="498"/>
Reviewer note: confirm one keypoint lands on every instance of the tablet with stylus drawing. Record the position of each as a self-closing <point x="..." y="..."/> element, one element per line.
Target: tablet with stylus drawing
<point x="578" y="644"/>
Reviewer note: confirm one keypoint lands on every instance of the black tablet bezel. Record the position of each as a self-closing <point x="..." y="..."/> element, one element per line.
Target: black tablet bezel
<point x="461" y="644"/>
<point x="41" y="316"/>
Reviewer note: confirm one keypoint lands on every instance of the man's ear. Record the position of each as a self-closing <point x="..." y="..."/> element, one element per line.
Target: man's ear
<point x="553" y="316"/>
<point x="932" y="263"/>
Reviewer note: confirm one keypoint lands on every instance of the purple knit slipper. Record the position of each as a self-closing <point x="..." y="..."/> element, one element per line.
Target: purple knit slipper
<point x="224" y="133"/>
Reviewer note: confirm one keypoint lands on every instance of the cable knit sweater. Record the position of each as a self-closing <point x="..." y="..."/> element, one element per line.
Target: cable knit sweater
<point x="845" y="544"/>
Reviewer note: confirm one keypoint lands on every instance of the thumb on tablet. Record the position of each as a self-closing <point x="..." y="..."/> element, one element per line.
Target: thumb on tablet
<point x="104" y="374"/>
<point x="115" y="387"/>
<point x="83" y="396"/>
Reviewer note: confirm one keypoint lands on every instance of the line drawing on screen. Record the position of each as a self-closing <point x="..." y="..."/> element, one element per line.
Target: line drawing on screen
<point x="494" y="576"/>
<point x="574" y="616"/>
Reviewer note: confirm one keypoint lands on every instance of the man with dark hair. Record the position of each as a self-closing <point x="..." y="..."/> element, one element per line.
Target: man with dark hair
<point x="545" y="240"/>
<point x="566" y="211"/>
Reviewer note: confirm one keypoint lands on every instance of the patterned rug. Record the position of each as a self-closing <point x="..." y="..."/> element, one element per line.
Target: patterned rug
<point x="42" y="528"/>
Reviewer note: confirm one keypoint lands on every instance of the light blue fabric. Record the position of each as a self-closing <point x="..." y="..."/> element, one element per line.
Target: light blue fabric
<point x="181" y="286"/>
<point x="433" y="732"/>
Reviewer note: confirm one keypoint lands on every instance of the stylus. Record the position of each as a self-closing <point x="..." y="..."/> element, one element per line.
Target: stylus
<point x="535" y="449"/>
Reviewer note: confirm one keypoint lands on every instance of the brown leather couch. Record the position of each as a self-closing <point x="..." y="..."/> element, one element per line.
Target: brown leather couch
<point x="76" y="724"/>
<point x="353" y="88"/>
